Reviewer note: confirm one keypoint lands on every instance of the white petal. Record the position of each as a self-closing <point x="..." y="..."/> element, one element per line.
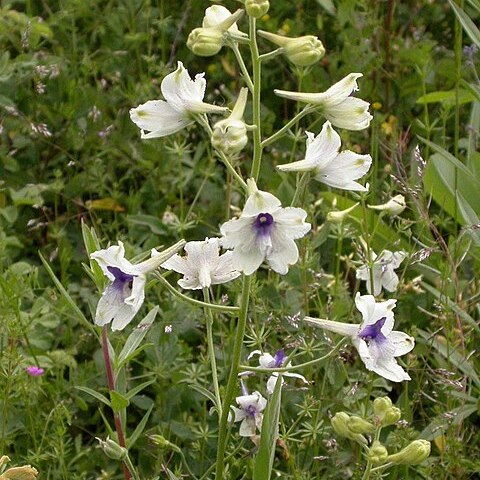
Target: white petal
<point x="403" y="343"/>
<point x="300" y="166"/>
<point x="159" y="118"/>
<point x="366" y="306"/>
<point x="347" y="329"/>
<point x="215" y="15"/>
<point x="236" y="232"/>
<point x="157" y="258"/>
<point x="291" y="222"/>
<point x="266" y="360"/>
<point x="112" y="308"/>
<point x="223" y="271"/>
<point x="244" y="401"/>
<point x="389" y="279"/>
<point x="239" y="414"/>
<point x="252" y="354"/>
<point x="247" y="260"/>
<point x="324" y="148"/>
<point x="398" y="258"/>
<point x="391" y="370"/>
<point x="247" y="427"/>
<point x="113" y="256"/>
<point x="344" y="169"/>
<point x="272" y="382"/>
<point x="260" y="202"/>
<point x="261" y="402"/>
<point x="177" y="264"/>
<point x="284" y="252"/>
<point x="351" y="114"/>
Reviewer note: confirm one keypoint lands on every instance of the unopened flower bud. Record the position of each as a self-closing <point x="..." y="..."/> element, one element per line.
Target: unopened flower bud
<point x="340" y="424"/>
<point x="230" y="135"/>
<point x="385" y="412"/>
<point x="205" y="42"/>
<point x="257" y="8"/>
<point x="339" y="216"/>
<point x="395" y="206"/>
<point x="412" y="454"/>
<point x="359" y="425"/>
<point x="27" y="472"/>
<point x="301" y="51"/>
<point x="112" y="449"/>
<point x="162" y="442"/>
<point x="377" y="453"/>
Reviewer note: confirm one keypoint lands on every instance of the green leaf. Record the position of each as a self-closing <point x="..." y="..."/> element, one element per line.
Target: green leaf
<point x="470" y="28"/>
<point x="118" y="401"/>
<point x="441" y="423"/>
<point x="139" y="429"/>
<point x="328" y="6"/>
<point x="153" y="223"/>
<point x="263" y="464"/>
<point x="449" y="96"/>
<point x="171" y="476"/>
<point x="78" y="313"/>
<point x="204" y="392"/>
<point x="135" y="338"/>
<point x="136" y="390"/>
<point x="95" y="394"/>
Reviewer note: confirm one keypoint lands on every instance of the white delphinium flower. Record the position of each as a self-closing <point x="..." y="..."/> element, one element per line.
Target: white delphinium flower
<point x="203" y="266"/>
<point x="266" y="360"/>
<point x="122" y="299"/>
<point x="336" y="104"/>
<point x="220" y="17"/>
<point x="264" y="231"/>
<point x="334" y="168"/>
<point x="183" y="97"/>
<point x="249" y="413"/>
<point x="383" y="273"/>
<point x="395" y="206"/>
<point x="376" y="341"/>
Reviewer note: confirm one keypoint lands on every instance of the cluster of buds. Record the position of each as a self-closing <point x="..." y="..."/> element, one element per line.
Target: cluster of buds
<point x="384" y="414"/>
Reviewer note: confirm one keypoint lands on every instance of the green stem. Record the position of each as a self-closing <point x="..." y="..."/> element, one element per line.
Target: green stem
<point x="193" y="301"/>
<point x="232" y="379"/>
<point x="243" y="68"/>
<point x="211" y="350"/>
<point x="301" y="185"/>
<point x="257" y="133"/>
<point x="273" y="138"/>
<point x="223" y="158"/>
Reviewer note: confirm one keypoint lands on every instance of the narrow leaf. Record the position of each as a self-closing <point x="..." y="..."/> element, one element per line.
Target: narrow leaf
<point x="78" y="313"/>
<point x="118" y="401"/>
<point x="135" y="391"/>
<point x="470" y="28"/>
<point x="263" y="465"/>
<point x="139" y="429"/>
<point x="135" y="338"/>
<point x="95" y="394"/>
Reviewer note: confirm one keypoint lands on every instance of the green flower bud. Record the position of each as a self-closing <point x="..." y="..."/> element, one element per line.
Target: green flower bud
<point x="340" y="423"/>
<point x="205" y="42"/>
<point x="412" y="454"/>
<point x="381" y="405"/>
<point x="359" y="425"/>
<point x="385" y="412"/>
<point x="301" y="51"/>
<point x="339" y="216"/>
<point x="257" y="8"/>
<point x="162" y="442"/>
<point x="377" y="453"/>
<point x="112" y="449"/>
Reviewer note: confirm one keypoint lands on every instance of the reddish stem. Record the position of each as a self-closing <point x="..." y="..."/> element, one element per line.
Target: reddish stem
<point x="111" y="387"/>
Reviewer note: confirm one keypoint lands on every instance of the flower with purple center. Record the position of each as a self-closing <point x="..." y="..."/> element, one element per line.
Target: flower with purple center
<point x="376" y="341"/>
<point x="265" y="360"/>
<point x="35" y="371"/>
<point x="122" y="299"/>
<point x="264" y="231"/>
<point x="249" y="413"/>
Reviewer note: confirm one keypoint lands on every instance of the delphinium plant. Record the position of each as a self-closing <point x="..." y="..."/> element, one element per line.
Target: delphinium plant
<point x="261" y="241"/>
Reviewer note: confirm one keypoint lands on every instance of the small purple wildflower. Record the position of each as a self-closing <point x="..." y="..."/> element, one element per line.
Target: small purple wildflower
<point x="35" y="371"/>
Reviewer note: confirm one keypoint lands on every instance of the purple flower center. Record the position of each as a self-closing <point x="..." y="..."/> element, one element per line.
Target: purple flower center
<point x="123" y="281"/>
<point x="374" y="331"/>
<point x="279" y="358"/>
<point x="251" y="410"/>
<point x="263" y="224"/>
